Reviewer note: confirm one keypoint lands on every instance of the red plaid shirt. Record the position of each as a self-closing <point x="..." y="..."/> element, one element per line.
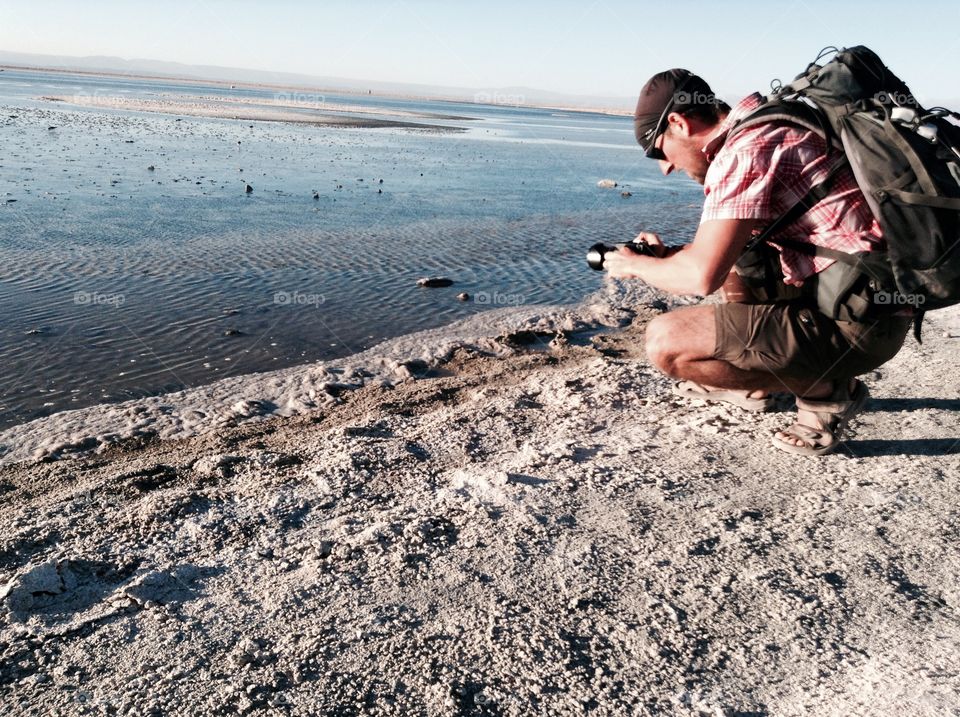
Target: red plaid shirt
<point x="766" y="169"/>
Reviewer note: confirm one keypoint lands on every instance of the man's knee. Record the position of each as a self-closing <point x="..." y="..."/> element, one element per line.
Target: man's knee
<point x="661" y="350"/>
<point x="680" y="337"/>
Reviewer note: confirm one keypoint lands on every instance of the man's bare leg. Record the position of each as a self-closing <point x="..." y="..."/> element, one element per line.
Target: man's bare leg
<point x="681" y="343"/>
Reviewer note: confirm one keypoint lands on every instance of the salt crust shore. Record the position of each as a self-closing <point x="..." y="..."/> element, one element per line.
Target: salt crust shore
<point x="523" y="531"/>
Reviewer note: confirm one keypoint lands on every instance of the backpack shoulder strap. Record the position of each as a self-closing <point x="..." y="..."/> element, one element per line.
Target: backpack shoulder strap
<point x="816" y="193"/>
<point x="793" y="112"/>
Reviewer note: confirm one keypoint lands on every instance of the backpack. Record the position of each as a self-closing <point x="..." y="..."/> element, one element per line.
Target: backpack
<point x="906" y="161"/>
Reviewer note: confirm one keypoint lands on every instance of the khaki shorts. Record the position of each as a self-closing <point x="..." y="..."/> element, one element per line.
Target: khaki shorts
<point x="797" y="341"/>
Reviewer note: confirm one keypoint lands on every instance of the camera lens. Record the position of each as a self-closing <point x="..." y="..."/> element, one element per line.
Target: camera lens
<point x="596" y="254"/>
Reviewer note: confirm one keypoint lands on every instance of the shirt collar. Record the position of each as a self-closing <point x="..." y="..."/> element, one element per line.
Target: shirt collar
<point x="743" y="108"/>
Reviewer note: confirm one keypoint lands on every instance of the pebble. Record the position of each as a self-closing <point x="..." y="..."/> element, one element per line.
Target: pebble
<point x="434" y="282"/>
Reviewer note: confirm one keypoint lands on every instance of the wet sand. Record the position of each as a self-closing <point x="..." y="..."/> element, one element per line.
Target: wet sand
<point x="309" y="112"/>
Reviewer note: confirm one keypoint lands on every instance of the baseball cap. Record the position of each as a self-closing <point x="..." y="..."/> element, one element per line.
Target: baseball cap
<point x="672" y="90"/>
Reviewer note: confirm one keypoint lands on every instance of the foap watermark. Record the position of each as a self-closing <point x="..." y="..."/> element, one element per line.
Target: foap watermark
<point x="499" y="98"/>
<point x="895" y="298"/>
<point x="696" y="98"/>
<point x="495" y="298"/>
<point x="298" y="298"/>
<point x="901" y="99"/>
<point x="98" y="99"/>
<point x="95" y="298"/>
<point x="491" y="698"/>
<point x="300" y="99"/>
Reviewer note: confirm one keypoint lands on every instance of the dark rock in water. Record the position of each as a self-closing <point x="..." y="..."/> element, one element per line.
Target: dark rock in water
<point x="381" y="181"/>
<point x="463" y="296"/>
<point x="316" y="195"/>
<point x="151" y="168"/>
<point x="35" y="332"/>
<point x="248" y="189"/>
<point x="54" y="127"/>
<point x="379" y="191"/>
<point x="233" y="332"/>
<point x="626" y="194"/>
<point x="434" y="282"/>
<point x="11" y="201"/>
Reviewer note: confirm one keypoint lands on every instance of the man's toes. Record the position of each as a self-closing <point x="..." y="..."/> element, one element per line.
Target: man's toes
<point x="791" y="439"/>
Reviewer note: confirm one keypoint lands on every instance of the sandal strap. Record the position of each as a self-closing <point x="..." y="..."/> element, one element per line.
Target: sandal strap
<point x="832" y="405"/>
<point x="806" y="404"/>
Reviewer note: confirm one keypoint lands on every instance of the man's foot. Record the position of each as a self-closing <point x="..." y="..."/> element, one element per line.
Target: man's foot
<point x="821" y="422"/>
<point x="748" y="400"/>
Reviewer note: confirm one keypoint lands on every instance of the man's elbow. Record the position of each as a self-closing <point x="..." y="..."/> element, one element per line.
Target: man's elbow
<point x="708" y="282"/>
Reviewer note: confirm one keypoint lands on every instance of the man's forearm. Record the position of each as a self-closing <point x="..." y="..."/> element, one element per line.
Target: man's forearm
<point x="677" y="273"/>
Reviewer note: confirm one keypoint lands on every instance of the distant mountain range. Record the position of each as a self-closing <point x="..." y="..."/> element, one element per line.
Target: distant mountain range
<point x="158" y="68"/>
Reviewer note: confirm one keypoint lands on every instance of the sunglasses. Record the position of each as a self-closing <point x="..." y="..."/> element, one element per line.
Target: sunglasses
<point x="654" y="152"/>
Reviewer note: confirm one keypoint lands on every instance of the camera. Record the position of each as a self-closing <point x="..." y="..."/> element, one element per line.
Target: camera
<point x="598" y="251"/>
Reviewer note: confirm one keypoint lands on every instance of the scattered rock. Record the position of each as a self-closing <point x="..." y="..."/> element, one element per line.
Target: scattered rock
<point x="248" y="189"/>
<point x="606" y="184"/>
<point x="434" y="282"/>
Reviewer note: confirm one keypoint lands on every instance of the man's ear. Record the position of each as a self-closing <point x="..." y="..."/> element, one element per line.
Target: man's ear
<point x="681" y="125"/>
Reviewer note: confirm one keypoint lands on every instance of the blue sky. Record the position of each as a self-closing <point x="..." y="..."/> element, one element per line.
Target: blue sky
<point x="599" y="47"/>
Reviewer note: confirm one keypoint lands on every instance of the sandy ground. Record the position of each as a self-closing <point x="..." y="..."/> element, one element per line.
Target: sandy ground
<point x="545" y="533"/>
<point x="307" y="109"/>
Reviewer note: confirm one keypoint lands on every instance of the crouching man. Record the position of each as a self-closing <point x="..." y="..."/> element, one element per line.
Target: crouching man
<point x="743" y="350"/>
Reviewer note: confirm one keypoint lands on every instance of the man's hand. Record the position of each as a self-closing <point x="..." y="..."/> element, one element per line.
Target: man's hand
<point x="654" y="242"/>
<point x="622" y="264"/>
<point x="698" y="268"/>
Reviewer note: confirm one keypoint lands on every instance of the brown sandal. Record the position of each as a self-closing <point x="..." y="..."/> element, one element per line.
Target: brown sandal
<point x="691" y="389"/>
<point x="833" y="413"/>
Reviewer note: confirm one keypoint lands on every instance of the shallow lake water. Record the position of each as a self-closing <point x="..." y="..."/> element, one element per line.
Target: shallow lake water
<point x="133" y="261"/>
